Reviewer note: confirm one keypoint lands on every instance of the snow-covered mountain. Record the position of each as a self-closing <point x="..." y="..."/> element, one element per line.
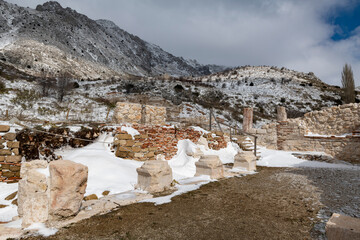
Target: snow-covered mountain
<point x="54" y="38"/>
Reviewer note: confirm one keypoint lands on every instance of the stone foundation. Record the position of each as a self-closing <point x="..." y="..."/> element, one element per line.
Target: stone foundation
<point x="155" y="140"/>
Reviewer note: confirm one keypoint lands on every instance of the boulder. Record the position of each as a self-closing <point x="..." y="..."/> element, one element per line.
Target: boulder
<point x="245" y="160"/>
<point x="342" y="227"/>
<point x="68" y="181"/>
<point x="154" y="176"/>
<point x="210" y="165"/>
<point x="33" y="193"/>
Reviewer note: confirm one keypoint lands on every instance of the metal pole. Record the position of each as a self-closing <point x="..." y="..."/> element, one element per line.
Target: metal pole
<point x="255" y="146"/>
<point x="210" y="119"/>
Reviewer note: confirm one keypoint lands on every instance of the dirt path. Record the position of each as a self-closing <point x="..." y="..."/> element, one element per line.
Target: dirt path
<point x="273" y="204"/>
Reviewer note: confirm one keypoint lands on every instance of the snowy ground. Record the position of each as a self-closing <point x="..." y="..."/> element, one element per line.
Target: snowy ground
<point x="107" y="172"/>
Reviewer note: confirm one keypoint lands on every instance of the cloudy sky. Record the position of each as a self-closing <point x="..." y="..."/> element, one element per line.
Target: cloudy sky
<point x="305" y="35"/>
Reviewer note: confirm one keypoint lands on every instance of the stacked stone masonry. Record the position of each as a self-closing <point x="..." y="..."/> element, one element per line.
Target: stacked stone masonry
<point x="136" y="114"/>
<point x="155" y="140"/>
<point x="10" y="160"/>
<point x="334" y="130"/>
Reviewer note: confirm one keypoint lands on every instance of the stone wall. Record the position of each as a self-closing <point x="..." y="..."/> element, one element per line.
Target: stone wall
<point x="10" y="160"/>
<point x="329" y="127"/>
<point x="267" y="136"/>
<point x="334" y="121"/>
<point x="154" y="140"/>
<point x="135" y="113"/>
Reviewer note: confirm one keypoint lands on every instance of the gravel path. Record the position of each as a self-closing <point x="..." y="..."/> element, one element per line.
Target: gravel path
<point x="340" y="193"/>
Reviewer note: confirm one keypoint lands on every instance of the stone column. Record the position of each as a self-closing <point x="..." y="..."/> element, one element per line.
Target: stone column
<point x="281" y="114"/>
<point x="248" y="119"/>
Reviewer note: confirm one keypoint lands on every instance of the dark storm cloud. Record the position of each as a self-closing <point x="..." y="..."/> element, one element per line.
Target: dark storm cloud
<point x="294" y="34"/>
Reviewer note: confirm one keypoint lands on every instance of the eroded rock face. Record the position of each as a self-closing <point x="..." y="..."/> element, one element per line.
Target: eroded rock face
<point x="68" y="181"/>
<point x="210" y="165"/>
<point x="33" y="193"/>
<point x="154" y="176"/>
<point x="245" y="159"/>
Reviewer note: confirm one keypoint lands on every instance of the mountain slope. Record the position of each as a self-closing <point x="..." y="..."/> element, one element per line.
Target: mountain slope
<point x="71" y="35"/>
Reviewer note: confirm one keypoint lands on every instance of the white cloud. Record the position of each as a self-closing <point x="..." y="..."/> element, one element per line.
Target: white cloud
<point x="290" y="33"/>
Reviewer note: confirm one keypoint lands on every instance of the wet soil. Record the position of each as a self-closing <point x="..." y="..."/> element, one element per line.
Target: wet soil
<point x="273" y="204"/>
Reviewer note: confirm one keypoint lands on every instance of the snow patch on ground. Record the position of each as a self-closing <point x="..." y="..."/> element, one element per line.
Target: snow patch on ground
<point x="106" y="171"/>
<point x="42" y="229"/>
<point x="7" y="213"/>
<point x="276" y="158"/>
<point x="182" y="165"/>
<point x="187" y="185"/>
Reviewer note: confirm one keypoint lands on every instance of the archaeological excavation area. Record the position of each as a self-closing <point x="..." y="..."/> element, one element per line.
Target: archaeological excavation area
<point x="143" y="177"/>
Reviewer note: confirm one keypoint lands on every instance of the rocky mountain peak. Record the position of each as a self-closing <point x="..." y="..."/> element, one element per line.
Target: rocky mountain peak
<point x="51" y="6"/>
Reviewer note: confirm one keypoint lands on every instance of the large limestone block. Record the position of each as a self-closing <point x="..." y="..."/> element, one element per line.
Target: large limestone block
<point x="245" y="160"/>
<point x="154" y="176"/>
<point x="210" y="165"/>
<point x="68" y="181"/>
<point x="33" y="193"/>
<point x="342" y="227"/>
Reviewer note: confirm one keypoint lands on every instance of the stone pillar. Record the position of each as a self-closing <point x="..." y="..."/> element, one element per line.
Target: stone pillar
<point x="248" y="119"/>
<point x="281" y="114"/>
<point x="33" y="193"/>
<point x="154" y="176"/>
<point x="210" y="165"/>
<point x="245" y="160"/>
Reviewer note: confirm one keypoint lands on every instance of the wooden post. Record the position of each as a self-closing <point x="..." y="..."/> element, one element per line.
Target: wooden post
<point x="67" y="115"/>
<point x="107" y="115"/>
<point x="248" y="119"/>
<point x="281" y="114"/>
<point x="7" y="114"/>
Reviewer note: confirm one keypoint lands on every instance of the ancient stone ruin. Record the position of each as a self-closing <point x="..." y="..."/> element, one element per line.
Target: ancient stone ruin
<point x="141" y="114"/>
<point x="154" y="176"/>
<point x="9" y="155"/>
<point x="154" y="140"/>
<point x="50" y="192"/>
<point x="210" y="165"/>
<point x="246" y="160"/>
<point x="334" y="130"/>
